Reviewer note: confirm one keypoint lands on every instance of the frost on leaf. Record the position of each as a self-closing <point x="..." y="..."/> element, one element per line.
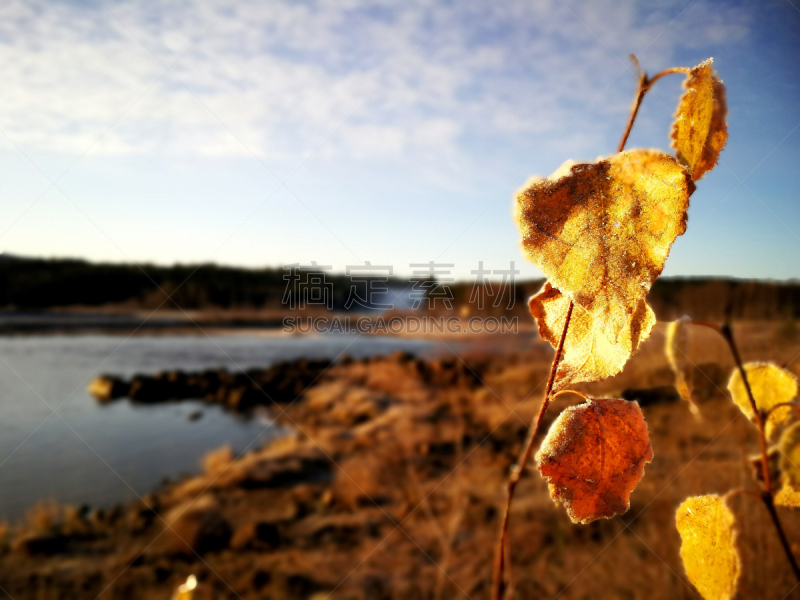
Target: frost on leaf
<point x="602" y="232"/>
<point x="593" y="457"/>
<point x="708" y="551"/>
<point x="770" y="385"/>
<point x="677" y="348"/>
<point x="589" y="354"/>
<point x="790" y="457"/>
<point x="786" y="496"/>
<point x="700" y="130"/>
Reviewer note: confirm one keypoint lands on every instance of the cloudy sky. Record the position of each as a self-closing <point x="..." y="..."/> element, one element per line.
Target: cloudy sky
<point x="344" y="131"/>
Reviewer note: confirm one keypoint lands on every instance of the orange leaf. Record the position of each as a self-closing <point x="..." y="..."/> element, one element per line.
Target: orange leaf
<point x="602" y="232"/>
<point x="593" y="457"/>
<point x="589" y="353"/>
<point x="700" y="130"/>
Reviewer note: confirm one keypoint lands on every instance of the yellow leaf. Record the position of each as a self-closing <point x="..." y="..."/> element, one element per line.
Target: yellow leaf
<point x="708" y="551"/>
<point x="787" y="496"/>
<point x="593" y="457"/>
<point x="790" y="457"/>
<point x="602" y="232"/>
<point x="700" y="130"/>
<point x="677" y="348"/>
<point x="589" y="353"/>
<point x="770" y="385"/>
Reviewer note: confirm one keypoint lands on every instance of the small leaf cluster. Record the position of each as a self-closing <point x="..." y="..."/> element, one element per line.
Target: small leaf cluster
<point x="765" y="394"/>
<point x="601" y="233"/>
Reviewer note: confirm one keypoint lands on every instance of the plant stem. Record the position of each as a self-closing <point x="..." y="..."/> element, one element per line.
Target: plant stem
<point x="519" y="468"/>
<point x="768" y="496"/>
<point x="645" y="83"/>
<point x="781" y="405"/>
<point x="751" y="493"/>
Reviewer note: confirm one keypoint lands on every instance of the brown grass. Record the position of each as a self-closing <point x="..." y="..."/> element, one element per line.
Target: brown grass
<point x="409" y="503"/>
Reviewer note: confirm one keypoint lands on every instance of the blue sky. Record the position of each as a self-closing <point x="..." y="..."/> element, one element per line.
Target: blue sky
<point x="266" y="133"/>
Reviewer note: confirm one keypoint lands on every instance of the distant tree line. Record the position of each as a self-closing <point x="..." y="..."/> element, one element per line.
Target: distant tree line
<point x="33" y="283"/>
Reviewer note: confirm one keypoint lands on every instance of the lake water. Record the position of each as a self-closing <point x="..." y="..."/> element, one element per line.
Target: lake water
<point x="85" y="453"/>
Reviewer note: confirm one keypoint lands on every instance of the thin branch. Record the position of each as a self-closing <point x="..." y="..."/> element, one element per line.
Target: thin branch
<point x="645" y="83"/>
<point x="576" y="392"/>
<point x="665" y="72"/>
<point x="768" y="498"/>
<point x="707" y="324"/>
<point x="743" y="492"/>
<point x="519" y="468"/>
<point x="781" y="405"/>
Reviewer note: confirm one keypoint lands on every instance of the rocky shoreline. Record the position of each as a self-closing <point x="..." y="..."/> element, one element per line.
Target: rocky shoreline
<point x="390" y="486"/>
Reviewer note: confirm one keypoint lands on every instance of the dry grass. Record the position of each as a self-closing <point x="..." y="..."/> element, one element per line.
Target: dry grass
<point x="409" y="504"/>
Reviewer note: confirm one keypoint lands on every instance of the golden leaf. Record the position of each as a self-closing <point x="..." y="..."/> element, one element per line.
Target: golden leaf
<point x="770" y="385"/>
<point x="677" y="348"/>
<point x="593" y="457"/>
<point x="700" y="130"/>
<point x="708" y="551"/>
<point x="601" y="233"/>
<point x="790" y="457"/>
<point x="589" y="353"/>
<point x="786" y="496"/>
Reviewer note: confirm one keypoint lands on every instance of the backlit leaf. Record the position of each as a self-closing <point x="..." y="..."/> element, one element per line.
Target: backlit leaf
<point x="770" y="385"/>
<point x="787" y="496"/>
<point x="790" y="457"/>
<point x="677" y="348"/>
<point x="602" y="232"/>
<point x="700" y="130"/>
<point x="708" y="551"/>
<point x="593" y="457"/>
<point x="590" y="354"/>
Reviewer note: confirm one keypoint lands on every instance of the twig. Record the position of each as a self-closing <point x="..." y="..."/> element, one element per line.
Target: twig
<point x="645" y="83"/>
<point x="781" y="405"/>
<point x="576" y="392"/>
<point x="516" y="472"/>
<point x="743" y="492"/>
<point x="768" y="496"/>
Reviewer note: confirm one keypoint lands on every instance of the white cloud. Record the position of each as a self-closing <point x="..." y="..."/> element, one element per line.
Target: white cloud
<point x="283" y="76"/>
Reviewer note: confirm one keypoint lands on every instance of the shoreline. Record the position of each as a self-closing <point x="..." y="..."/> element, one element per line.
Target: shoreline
<point x="392" y="482"/>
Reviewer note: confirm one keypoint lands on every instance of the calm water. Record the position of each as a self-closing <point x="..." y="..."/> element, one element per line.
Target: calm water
<point x="87" y="453"/>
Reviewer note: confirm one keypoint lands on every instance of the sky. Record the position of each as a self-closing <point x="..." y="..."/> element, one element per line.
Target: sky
<point x="268" y="133"/>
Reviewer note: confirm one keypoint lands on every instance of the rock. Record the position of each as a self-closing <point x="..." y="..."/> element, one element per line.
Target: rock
<point x="106" y="388"/>
<point x="194" y="415"/>
<point x="215" y="461"/>
<point x="401" y="356"/>
<point x="281" y="465"/>
<point x="243" y="398"/>
<point x="259" y="536"/>
<point x="39" y="543"/>
<point x="196" y="527"/>
<point x="149" y="389"/>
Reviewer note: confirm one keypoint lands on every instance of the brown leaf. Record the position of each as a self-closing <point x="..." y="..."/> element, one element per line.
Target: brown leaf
<point x="700" y="130"/>
<point x="593" y="457"/>
<point x="708" y="549"/>
<point x="589" y="354"/>
<point x="601" y="233"/>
